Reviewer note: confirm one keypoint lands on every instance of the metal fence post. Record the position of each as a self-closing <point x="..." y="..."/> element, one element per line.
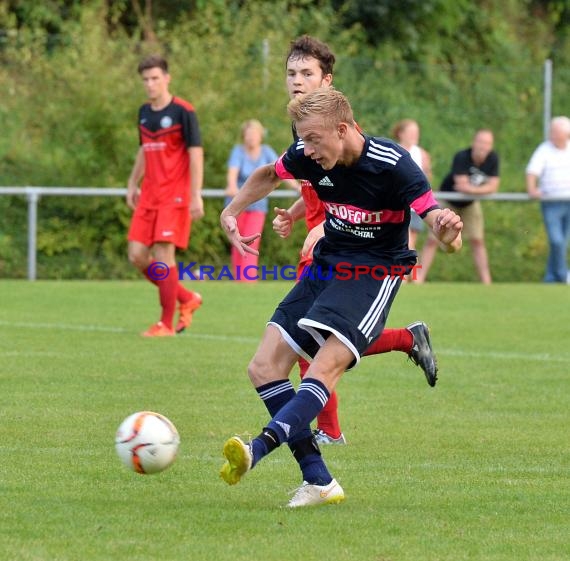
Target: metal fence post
<point x="547" y="97"/>
<point x="33" y="198"/>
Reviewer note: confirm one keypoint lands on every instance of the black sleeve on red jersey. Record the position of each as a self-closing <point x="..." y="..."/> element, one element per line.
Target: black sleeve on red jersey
<point x="140" y="116"/>
<point x="190" y="129"/>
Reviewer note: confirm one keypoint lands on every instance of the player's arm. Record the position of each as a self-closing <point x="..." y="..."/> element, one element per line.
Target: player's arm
<point x="292" y="184"/>
<point x="137" y="174"/>
<point x="258" y="185"/>
<point x="285" y="218"/>
<point x="446" y="226"/>
<point x="196" y="181"/>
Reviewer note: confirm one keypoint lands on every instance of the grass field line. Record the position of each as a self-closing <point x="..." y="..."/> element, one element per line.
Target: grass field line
<point x="284" y="460"/>
<point x="540" y="357"/>
<point x="461" y="353"/>
<point x="62" y="326"/>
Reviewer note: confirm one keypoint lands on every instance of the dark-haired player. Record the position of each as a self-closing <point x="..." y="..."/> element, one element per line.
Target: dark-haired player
<point x="309" y="65"/>
<point x="367" y="185"/>
<point x="170" y="163"/>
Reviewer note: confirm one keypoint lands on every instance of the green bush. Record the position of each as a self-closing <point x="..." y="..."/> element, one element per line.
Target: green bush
<point x="69" y="113"/>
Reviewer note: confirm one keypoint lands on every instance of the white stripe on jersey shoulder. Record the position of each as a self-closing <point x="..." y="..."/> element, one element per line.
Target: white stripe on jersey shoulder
<point x="300" y="145"/>
<point x="383" y="153"/>
<point x="384" y="148"/>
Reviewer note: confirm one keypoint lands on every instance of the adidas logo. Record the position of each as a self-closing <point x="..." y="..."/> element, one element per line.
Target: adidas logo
<point x="286" y="428"/>
<point x="326" y="182"/>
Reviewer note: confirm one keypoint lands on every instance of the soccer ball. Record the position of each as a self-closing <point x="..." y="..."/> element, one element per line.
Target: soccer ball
<point x="147" y="442"/>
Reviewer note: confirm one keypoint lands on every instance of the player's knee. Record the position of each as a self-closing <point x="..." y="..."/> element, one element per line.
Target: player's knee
<point x="260" y="371"/>
<point x="256" y="371"/>
<point x="327" y="371"/>
<point x="138" y="258"/>
<point x="136" y="261"/>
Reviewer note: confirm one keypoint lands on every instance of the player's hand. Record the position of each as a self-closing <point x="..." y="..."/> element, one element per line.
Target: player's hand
<point x="283" y="222"/>
<point x="311" y="240"/>
<point x="133" y="195"/>
<point x="447" y="228"/>
<point x="241" y="243"/>
<point x="197" y="207"/>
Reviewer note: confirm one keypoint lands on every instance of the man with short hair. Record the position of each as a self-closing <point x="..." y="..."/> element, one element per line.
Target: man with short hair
<point x="367" y="185"/>
<point x="309" y="65"/>
<point x="475" y="172"/>
<point x="170" y="163"/>
<point x="549" y="167"/>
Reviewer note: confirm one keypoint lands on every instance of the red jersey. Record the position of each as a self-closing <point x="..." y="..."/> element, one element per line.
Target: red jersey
<point x="165" y="136"/>
<point x="314" y="208"/>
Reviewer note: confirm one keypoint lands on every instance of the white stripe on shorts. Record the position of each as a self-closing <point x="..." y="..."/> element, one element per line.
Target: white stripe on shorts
<point x="313" y="327"/>
<point x="291" y="342"/>
<point x="369" y="321"/>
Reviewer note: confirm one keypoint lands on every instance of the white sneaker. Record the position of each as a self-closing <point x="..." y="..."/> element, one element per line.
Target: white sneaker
<point x="312" y="495"/>
<point x="323" y="438"/>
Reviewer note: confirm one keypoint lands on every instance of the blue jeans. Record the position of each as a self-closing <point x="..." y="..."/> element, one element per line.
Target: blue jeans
<point x="556" y="217"/>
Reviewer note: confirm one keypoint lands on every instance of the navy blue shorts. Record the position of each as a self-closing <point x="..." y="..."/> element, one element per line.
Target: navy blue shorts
<point x="354" y="309"/>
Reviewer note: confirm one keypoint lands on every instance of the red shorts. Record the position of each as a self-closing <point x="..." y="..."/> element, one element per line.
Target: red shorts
<point x="166" y="225"/>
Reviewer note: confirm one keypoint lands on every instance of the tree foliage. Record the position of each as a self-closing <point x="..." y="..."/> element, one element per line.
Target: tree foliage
<point x="72" y="94"/>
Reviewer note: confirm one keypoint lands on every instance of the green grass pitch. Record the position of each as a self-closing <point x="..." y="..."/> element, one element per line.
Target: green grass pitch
<point x="477" y="468"/>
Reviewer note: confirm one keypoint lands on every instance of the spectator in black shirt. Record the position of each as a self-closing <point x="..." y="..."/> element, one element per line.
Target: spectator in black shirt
<point x="475" y="171"/>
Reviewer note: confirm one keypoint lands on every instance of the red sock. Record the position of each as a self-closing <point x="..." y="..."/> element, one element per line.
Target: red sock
<point x="391" y="340"/>
<point x="183" y="295"/>
<point x="327" y="419"/>
<point x="167" y="290"/>
<point x="149" y="278"/>
<point x="303" y="367"/>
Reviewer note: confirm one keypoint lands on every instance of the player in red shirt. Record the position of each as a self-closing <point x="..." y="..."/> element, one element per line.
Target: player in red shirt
<point x="170" y="163"/>
<point x="309" y="65"/>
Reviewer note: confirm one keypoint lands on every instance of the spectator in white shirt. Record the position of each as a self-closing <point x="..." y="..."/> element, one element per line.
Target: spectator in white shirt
<point x="548" y="177"/>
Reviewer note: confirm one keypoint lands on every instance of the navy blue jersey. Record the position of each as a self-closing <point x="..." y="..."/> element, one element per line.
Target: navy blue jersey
<point x="367" y="205"/>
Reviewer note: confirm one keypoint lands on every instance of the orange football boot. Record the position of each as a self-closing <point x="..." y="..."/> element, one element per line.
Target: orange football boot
<point x="159" y="330"/>
<point x="186" y="311"/>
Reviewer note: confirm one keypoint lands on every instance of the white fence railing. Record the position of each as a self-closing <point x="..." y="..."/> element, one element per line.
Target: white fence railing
<point x="33" y="195"/>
